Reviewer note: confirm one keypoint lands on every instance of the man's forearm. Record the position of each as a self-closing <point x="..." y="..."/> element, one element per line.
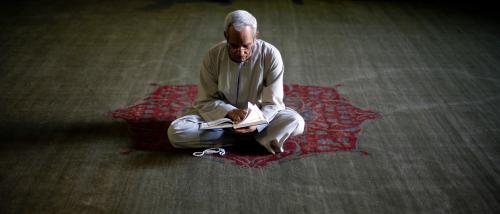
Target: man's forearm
<point x="213" y="110"/>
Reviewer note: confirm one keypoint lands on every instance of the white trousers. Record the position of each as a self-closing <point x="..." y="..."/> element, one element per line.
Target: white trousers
<point x="185" y="132"/>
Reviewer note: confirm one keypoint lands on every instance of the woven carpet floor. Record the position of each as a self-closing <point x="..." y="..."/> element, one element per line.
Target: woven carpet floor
<point x="431" y="70"/>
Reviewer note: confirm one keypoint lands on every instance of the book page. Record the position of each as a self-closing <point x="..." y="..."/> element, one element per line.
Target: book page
<point x="254" y="117"/>
<point x="216" y="124"/>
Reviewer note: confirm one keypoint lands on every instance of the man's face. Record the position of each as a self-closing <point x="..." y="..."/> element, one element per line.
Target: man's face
<point x="239" y="43"/>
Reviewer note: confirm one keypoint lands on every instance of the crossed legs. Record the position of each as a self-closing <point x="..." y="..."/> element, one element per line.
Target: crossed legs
<point x="184" y="132"/>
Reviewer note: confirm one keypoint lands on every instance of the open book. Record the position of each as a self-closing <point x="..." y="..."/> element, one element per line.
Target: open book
<point x="254" y="117"/>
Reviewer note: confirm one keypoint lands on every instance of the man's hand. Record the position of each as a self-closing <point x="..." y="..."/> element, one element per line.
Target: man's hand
<point x="246" y="130"/>
<point x="237" y="115"/>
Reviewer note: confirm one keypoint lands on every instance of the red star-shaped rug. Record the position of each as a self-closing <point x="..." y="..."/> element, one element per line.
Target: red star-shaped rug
<point x="332" y="123"/>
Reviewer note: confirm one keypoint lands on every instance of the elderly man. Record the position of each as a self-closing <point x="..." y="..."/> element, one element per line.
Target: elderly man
<point x="239" y="70"/>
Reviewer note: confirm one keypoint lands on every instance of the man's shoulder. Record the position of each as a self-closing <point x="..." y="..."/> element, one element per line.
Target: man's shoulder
<point x="212" y="53"/>
<point x="217" y="47"/>
<point x="266" y="46"/>
<point x="215" y="50"/>
<point x="267" y="49"/>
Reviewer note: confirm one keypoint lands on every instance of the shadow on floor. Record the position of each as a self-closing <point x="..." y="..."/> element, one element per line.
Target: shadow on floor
<point x="28" y="131"/>
<point x="150" y="136"/>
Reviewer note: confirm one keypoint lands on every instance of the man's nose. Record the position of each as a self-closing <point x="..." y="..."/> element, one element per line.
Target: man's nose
<point x="241" y="52"/>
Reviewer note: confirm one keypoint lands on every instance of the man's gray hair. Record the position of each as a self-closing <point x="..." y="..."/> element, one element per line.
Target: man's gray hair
<point x="239" y="19"/>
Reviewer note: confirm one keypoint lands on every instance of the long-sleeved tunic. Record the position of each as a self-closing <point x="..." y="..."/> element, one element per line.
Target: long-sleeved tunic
<point x="226" y="85"/>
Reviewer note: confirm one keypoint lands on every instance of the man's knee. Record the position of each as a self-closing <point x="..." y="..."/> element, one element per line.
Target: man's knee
<point x="182" y="129"/>
<point x="185" y="133"/>
<point x="292" y="119"/>
<point x="299" y="121"/>
<point x="172" y="136"/>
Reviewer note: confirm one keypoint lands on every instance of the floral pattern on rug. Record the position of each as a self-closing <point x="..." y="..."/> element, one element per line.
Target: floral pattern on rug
<point x="332" y="123"/>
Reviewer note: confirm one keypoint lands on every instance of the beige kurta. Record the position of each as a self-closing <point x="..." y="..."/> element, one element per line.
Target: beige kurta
<point x="226" y="85"/>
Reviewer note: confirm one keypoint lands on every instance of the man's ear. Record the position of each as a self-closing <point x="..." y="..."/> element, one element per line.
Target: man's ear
<point x="257" y="34"/>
